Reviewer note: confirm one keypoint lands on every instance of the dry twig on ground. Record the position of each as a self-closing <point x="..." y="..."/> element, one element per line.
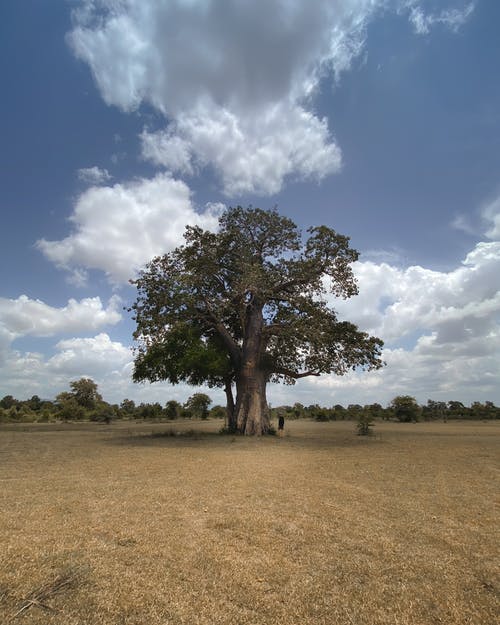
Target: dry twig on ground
<point x="39" y="597"/>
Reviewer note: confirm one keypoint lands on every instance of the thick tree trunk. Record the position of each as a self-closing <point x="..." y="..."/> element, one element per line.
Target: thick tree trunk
<point x="252" y="412"/>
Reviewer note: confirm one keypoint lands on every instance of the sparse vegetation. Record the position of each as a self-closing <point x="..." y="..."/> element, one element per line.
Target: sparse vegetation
<point x="365" y="424"/>
<point x="69" y="406"/>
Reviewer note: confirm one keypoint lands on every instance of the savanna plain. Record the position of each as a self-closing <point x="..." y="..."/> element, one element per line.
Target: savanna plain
<point x="169" y="524"/>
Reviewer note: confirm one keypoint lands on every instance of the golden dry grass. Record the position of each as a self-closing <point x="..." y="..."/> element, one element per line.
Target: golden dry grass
<point x="321" y="526"/>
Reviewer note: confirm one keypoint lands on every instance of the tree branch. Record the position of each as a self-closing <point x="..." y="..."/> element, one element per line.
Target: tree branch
<point x="293" y="374"/>
<point x="231" y="345"/>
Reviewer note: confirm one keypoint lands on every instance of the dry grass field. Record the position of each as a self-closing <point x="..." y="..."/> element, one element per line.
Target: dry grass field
<point x="111" y="525"/>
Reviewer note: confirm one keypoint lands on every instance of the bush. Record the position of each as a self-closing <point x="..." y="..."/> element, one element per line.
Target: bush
<point x="322" y="415"/>
<point x="405" y="408"/>
<point x="364" y="425"/>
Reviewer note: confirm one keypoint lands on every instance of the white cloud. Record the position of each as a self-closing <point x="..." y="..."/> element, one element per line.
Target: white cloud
<point x="119" y="229"/>
<point x="427" y="371"/>
<point x="27" y="317"/>
<point x="30" y="373"/>
<point x="109" y="363"/>
<point x="442" y="331"/>
<point x="95" y="357"/>
<point x="452" y="18"/>
<point x="491" y="214"/>
<point x="93" y="175"/>
<point x="464" y="224"/>
<point x="248" y="154"/>
<point x="235" y="81"/>
<point x="394" y="303"/>
<point x="23" y="374"/>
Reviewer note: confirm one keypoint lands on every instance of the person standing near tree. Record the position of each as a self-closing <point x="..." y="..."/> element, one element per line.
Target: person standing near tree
<point x="281" y="425"/>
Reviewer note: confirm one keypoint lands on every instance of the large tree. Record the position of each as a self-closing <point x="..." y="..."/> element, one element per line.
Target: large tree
<point x="246" y="305"/>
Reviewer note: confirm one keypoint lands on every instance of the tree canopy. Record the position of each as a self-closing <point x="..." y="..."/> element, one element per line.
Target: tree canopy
<point x="246" y="305"/>
<point x="85" y="392"/>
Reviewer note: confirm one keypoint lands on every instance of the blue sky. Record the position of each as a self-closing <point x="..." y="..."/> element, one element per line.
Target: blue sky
<point x="123" y="122"/>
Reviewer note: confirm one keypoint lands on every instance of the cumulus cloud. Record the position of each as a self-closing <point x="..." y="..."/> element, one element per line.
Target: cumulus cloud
<point x="28" y="317"/>
<point x="108" y="362"/>
<point x="23" y="374"/>
<point x="248" y="154"/>
<point x="93" y="175"/>
<point x="95" y="357"/>
<point x="30" y="373"/>
<point x="395" y="303"/>
<point x="235" y="81"/>
<point x="442" y="330"/>
<point x="119" y="229"/>
<point x="427" y="371"/>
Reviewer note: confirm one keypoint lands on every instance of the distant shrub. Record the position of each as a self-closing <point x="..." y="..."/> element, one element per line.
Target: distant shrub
<point x="364" y="424"/>
<point x="322" y="415"/>
<point x="217" y="412"/>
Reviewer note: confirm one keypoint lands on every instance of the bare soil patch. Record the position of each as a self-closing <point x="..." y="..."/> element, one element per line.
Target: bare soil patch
<point x="320" y="526"/>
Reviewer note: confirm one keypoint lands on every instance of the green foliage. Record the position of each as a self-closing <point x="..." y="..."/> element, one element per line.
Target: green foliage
<point x="85" y="392"/>
<point x="149" y="411"/>
<point x="456" y="410"/>
<point x="68" y="409"/>
<point x="7" y="402"/>
<point x="173" y="409"/>
<point x="405" y="408"/>
<point x="364" y="424"/>
<point x="322" y="415"/>
<point x="127" y="408"/>
<point x="340" y="412"/>
<point x="354" y="411"/>
<point x="217" y="412"/>
<point x="184" y="355"/>
<point x="484" y="411"/>
<point x="197" y="405"/>
<point x="35" y="403"/>
<point x="102" y="412"/>
<point x="434" y="410"/>
<point x="248" y="303"/>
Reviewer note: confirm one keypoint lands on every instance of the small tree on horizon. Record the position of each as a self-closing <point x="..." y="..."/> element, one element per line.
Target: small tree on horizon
<point x="197" y="405"/>
<point x="405" y="408"/>
<point x="173" y="409"/>
<point x="85" y="392"/>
